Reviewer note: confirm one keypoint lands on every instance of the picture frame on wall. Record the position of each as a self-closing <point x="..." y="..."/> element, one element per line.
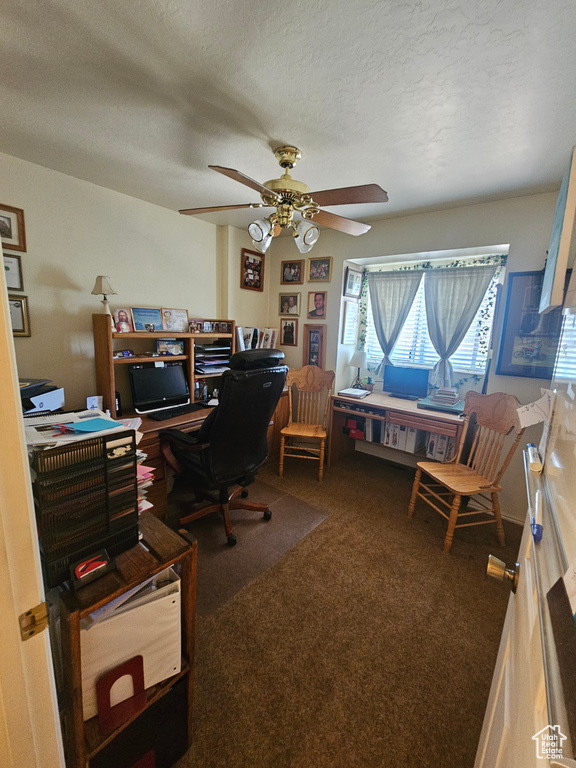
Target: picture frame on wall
<point x="292" y="272"/>
<point x="350" y="324"/>
<point x="175" y="320"/>
<point x="529" y="338"/>
<point x="314" y="345"/>
<point x="320" y="270"/>
<point x="553" y="287"/>
<point x="289" y="304"/>
<point x="12" y="228"/>
<point x="317" y="304"/>
<point x="13" y="272"/>
<point x="252" y="270"/>
<point x="147" y="319"/>
<point x="19" y="315"/>
<point x="353" y="283"/>
<point x="289" y="333"/>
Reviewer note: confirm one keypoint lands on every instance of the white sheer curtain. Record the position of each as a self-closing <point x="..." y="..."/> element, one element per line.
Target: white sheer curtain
<point x="453" y="297"/>
<point x="391" y="296"/>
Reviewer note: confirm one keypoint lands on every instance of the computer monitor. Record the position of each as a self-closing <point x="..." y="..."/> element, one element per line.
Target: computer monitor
<point x="156" y="387"/>
<point x="406" y="382"/>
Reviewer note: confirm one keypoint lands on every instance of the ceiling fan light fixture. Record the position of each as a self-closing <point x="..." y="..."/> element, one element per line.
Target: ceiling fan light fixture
<point x="259" y="230"/>
<point x="306" y="234"/>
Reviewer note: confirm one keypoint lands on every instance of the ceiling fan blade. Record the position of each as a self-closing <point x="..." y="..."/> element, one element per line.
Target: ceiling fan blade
<point x="339" y="222"/>
<point x="365" y="193"/>
<point x="243" y="179"/>
<point x="194" y="211"/>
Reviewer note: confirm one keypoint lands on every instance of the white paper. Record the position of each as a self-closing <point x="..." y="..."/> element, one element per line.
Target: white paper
<point x="536" y="412"/>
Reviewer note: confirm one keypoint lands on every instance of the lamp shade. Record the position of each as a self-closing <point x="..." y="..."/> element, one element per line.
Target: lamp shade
<point x="359" y="359"/>
<point x="103" y="286"/>
<point x="306" y="233"/>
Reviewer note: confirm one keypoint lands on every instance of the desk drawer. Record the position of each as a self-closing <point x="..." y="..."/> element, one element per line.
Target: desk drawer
<point x="423" y="423"/>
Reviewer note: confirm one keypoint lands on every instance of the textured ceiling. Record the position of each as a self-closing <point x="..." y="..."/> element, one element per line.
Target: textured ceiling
<point x="441" y="104"/>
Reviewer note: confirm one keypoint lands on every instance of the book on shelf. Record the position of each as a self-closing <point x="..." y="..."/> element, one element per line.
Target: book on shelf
<point x="267" y="338"/>
<point x="447" y="395"/>
<point x="251" y="337"/>
<point x="240" y="339"/>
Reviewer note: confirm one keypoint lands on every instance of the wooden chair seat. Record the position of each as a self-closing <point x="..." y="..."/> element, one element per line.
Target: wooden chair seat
<point x="314" y="431"/>
<point x="309" y="390"/>
<point x="458" y="478"/>
<point x="467" y="488"/>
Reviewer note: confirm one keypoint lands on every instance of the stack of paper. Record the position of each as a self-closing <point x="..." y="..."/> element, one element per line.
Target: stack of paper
<point x="145" y="477"/>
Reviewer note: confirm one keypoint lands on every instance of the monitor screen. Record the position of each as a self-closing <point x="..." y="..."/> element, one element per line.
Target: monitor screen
<point x="406" y="381"/>
<point x="156" y="387"/>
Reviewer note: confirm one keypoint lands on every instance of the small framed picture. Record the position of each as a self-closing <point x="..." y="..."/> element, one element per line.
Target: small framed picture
<point x="317" y="304"/>
<point x="320" y="270"/>
<point x="170" y="346"/>
<point x="350" y="325"/>
<point x="292" y="272"/>
<point x="314" y="345"/>
<point x="147" y="319"/>
<point x="123" y="321"/>
<point x="175" y="320"/>
<point x="195" y="326"/>
<point x="252" y="270"/>
<point x="19" y="315"/>
<point x="13" y="272"/>
<point x="289" y="333"/>
<point x="206" y="326"/>
<point x="12" y="228"/>
<point x="289" y="304"/>
<point x="353" y="283"/>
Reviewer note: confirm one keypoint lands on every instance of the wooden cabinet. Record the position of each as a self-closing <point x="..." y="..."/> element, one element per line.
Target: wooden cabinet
<point x="111" y="371"/>
<point x="159" y="549"/>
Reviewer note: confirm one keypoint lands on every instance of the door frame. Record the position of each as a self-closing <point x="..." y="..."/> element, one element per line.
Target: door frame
<point x="30" y="732"/>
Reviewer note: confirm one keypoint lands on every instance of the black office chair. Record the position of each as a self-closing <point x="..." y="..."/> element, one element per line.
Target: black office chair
<point x="221" y="459"/>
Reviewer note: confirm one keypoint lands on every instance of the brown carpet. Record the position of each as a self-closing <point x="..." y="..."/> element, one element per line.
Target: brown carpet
<point x="223" y="571"/>
<point x="364" y="645"/>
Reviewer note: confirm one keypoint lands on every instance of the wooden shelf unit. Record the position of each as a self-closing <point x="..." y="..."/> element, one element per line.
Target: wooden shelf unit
<point x="162" y="548"/>
<point x="107" y="341"/>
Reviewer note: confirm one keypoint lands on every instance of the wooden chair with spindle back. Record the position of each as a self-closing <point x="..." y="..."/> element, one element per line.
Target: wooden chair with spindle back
<point x="304" y="437"/>
<point x="446" y="486"/>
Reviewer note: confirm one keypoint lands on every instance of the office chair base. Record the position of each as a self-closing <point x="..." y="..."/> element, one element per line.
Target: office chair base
<point x="231" y="540"/>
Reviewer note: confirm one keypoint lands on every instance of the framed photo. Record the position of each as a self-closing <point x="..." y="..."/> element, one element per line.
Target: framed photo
<point x="350" y="324"/>
<point x="289" y="304"/>
<point x="529" y="339"/>
<point x="19" y="315"/>
<point x="123" y="320"/>
<point x="314" y="345"/>
<point x="353" y="283"/>
<point x="553" y="288"/>
<point x="13" y="272"/>
<point x="320" y="270"/>
<point x="292" y="272"/>
<point x="289" y="333"/>
<point x="147" y="319"/>
<point x="170" y="346"/>
<point x="195" y="326"/>
<point x="317" y="304"/>
<point x="252" y="270"/>
<point x="175" y="320"/>
<point x="12" y="228"/>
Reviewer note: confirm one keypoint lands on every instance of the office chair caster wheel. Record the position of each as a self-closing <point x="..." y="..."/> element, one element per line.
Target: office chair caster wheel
<point x="267" y="514"/>
<point x="231" y="540"/>
<point x="244" y="494"/>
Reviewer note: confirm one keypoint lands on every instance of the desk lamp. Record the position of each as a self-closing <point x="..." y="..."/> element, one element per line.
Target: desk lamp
<point x="103" y="287"/>
<point x="358" y="360"/>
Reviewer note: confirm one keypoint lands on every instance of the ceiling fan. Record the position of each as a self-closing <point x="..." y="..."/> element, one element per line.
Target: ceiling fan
<point x="288" y="195"/>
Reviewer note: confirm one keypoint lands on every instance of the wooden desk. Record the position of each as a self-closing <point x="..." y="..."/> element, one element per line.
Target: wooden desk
<point x="385" y="409"/>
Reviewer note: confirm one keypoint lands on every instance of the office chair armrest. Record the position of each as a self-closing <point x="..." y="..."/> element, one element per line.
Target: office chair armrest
<point x="182" y="440"/>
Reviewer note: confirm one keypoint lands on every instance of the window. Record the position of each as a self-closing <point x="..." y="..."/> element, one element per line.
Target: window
<point x="415" y="348"/>
<point x="566" y="357"/>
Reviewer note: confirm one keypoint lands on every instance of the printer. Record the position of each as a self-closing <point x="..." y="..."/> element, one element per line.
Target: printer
<point x="40" y="395"/>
